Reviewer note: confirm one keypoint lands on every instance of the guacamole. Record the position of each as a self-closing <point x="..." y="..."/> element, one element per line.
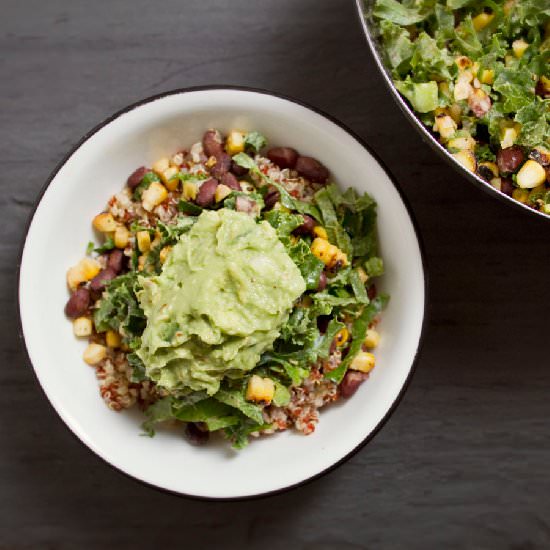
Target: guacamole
<point x="220" y="301"/>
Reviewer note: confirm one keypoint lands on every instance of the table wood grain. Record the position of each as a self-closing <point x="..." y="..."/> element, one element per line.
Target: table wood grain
<point x="464" y="461"/>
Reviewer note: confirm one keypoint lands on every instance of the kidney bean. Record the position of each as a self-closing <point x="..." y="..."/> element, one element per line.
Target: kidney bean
<point x="307" y="227"/>
<point x="284" y="157"/>
<point x="115" y="261"/>
<point x="510" y="159"/>
<point x="195" y="435"/>
<point x="222" y="166"/>
<point x="99" y="281"/>
<point x="322" y="282"/>
<point x="134" y="179"/>
<point x="239" y="171"/>
<point x="271" y="197"/>
<point x="312" y="169"/>
<point x="322" y="323"/>
<point x="351" y="382"/>
<point x="231" y="181"/>
<point x="78" y="303"/>
<point x="205" y="196"/>
<point x="212" y="143"/>
<point x="506" y="186"/>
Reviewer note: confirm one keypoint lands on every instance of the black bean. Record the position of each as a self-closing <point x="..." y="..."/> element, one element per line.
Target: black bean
<point x="195" y="435"/>
<point x="506" y="186"/>
<point x="322" y="282"/>
<point x="271" y="197"/>
<point x="78" y="303"/>
<point x="322" y="323"/>
<point x="307" y="227"/>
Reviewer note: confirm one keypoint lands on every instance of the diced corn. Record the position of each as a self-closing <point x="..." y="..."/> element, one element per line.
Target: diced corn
<point x="153" y="196"/>
<point x="508" y="136"/>
<point x="487" y="76"/>
<point x="496" y="183"/>
<point x="234" y="143"/>
<point x="455" y="110"/>
<point x="104" y="222"/>
<point x="177" y="160"/>
<point x="83" y="271"/>
<point x="121" y="236"/>
<point x="372" y="339"/>
<point x="94" y="353"/>
<point x="362" y="275"/>
<point x="190" y="191"/>
<point x="363" y="362"/>
<point x="222" y="191"/>
<point x="462" y="143"/>
<point x="342" y="336"/>
<point x="490" y="166"/>
<point x="481" y="20"/>
<point x="82" y="326"/>
<point x="112" y="339"/>
<point x="521" y="195"/>
<point x="163" y="254"/>
<point x="143" y="241"/>
<point x="445" y="125"/>
<point x="321" y="232"/>
<point x="328" y="253"/>
<point x="161" y="165"/>
<point x="519" y="47"/>
<point x="475" y="68"/>
<point x="545" y="83"/>
<point x="467" y="159"/>
<point x="260" y="389"/>
<point x="169" y="178"/>
<point x="530" y="175"/>
<point x="156" y="240"/>
<point x="141" y="262"/>
<point x="211" y="161"/>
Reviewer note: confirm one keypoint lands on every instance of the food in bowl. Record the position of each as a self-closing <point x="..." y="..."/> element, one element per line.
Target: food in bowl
<point x="478" y="75"/>
<point x="233" y="291"/>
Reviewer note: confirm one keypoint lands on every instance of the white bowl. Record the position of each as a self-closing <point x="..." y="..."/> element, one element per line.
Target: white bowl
<point x="57" y="236"/>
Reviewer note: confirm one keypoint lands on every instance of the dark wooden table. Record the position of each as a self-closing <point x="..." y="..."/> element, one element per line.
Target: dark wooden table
<point x="465" y="460"/>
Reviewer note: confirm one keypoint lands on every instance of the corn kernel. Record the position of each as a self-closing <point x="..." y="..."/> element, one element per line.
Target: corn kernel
<point x="153" y="196"/>
<point x="487" y="76"/>
<point x="519" y="47"/>
<point x="320" y="232"/>
<point x="104" y="222"/>
<point x="467" y="159"/>
<point x="169" y="178"/>
<point x="94" y="353"/>
<point x="342" y="336"/>
<point x="260" y="389"/>
<point x="190" y="191"/>
<point x="210" y="162"/>
<point x="363" y="362"/>
<point x="222" y="191"/>
<point x="508" y="136"/>
<point x="530" y="175"/>
<point x="121" y="237"/>
<point x="112" y="339"/>
<point x="234" y="143"/>
<point x="323" y="250"/>
<point x="462" y="143"/>
<point x="82" y="326"/>
<point x="163" y="254"/>
<point x="141" y="262"/>
<point x="455" y="110"/>
<point x="521" y="195"/>
<point x="161" y="165"/>
<point x="372" y="338"/>
<point x="83" y="271"/>
<point x="445" y="125"/>
<point x="482" y="20"/>
<point x="143" y="241"/>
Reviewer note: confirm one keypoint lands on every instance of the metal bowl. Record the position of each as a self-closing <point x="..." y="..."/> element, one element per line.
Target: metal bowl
<point x="364" y="9"/>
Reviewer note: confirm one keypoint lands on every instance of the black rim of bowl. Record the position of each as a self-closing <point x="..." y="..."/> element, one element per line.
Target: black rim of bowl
<point x="414" y="362"/>
<point x="427" y="137"/>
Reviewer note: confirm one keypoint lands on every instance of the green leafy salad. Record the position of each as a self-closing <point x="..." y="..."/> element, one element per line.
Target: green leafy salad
<point x="233" y="292"/>
<point x="478" y="75"/>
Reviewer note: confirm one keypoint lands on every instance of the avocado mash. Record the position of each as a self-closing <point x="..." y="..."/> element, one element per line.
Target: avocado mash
<point x="223" y="295"/>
